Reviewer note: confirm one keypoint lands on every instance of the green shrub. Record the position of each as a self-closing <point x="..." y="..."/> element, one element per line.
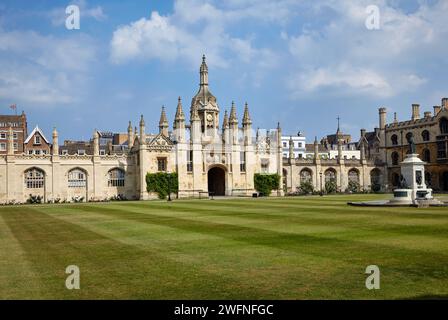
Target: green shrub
<point x="77" y="199"/>
<point x="375" y="187"/>
<point x="265" y="183"/>
<point x="306" y="187"/>
<point x="34" y="199"/>
<point x="330" y="186"/>
<point x="353" y="187"/>
<point x="160" y="183"/>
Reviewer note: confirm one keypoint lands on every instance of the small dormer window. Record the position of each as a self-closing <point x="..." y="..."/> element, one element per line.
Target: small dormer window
<point x="37" y="140"/>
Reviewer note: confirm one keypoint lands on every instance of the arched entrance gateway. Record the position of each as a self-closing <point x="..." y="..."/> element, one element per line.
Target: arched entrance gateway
<point x="217" y="181"/>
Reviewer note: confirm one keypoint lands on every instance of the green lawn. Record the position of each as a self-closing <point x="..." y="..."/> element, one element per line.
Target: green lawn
<point x="290" y="248"/>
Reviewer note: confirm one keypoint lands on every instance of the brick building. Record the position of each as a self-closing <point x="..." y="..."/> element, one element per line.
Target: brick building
<point x="19" y="129"/>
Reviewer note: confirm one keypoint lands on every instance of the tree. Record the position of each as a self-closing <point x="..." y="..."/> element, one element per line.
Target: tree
<point x="265" y="183"/>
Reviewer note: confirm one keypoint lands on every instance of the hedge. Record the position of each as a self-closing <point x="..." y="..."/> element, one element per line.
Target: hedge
<point x="306" y="187"/>
<point x="265" y="183"/>
<point x="331" y="186"/>
<point x="159" y="183"/>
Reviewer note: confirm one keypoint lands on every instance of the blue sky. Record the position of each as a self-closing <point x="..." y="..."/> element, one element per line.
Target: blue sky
<point x="302" y="63"/>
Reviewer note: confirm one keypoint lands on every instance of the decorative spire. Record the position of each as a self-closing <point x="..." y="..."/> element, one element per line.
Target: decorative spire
<point x="233" y="119"/>
<point x="246" y="117"/>
<point x="179" y="112"/>
<point x="204" y="72"/>
<point x="163" y="122"/>
<point x="142" y="130"/>
<point x="55" y="147"/>
<point x="395" y="118"/>
<point x="130" y="136"/>
<point x="96" y="143"/>
<point x="291" y="148"/>
<point x="315" y="140"/>
<point x="225" y="122"/>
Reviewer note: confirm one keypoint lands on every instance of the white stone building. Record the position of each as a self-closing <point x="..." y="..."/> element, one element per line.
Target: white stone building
<point x="298" y="146"/>
<point x="207" y="157"/>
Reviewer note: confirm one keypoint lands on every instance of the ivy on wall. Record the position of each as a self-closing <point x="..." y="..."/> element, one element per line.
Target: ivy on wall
<point x="161" y="183"/>
<point x="265" y="183"/>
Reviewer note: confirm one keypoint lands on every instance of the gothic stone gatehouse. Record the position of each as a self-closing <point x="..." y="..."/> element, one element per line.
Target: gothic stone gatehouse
<point x="207" y="157"/>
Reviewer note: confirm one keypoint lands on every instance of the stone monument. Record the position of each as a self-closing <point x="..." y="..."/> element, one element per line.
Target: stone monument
<point x="413" y="188"/>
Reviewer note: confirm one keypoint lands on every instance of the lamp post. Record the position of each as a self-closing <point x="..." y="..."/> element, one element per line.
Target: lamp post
<point x="321" y="186"/>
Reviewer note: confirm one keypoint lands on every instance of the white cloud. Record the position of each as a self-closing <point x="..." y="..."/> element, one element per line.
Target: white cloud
<point x="194" y="28"/>
<point x="152" y="38"/>
<point x="43" y="70"/>
<point x="343" y="54"/>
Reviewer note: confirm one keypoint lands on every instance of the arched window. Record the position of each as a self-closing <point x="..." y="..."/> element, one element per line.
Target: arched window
<point x="426" y="155"/>
<point x="409" y="135"/>
<point x="34" y="178"/>
<point x="425" y="135"/>
<point x="444" y="125"/>
<point x="395" y="158"/>
<point x="375" y="177"/>
<point x="353" y="176"/>
<point x="306" y="176"/>
<point x="330" y="175"/>
<point x="116" y="178"/>
<point x="394" y="140"/>
<point x="77" y="178"/>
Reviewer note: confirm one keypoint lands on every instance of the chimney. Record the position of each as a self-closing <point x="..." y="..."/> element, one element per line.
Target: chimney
<point x="445" y="103"/>
<point x="382" y="114"/>
<point x="415" y="112"/>
<point x="428" y="114"/>
<point x="437" y="110"/>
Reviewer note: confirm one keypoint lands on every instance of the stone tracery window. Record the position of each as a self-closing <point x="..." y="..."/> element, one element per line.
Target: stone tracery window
<point x="330" y="175"/>
<point x="77" y="178"/>
<point x="306" y="176"/>
<point x="116" y="178"/>
<point x="34" y="178"/>
<point x="353" y="176"/>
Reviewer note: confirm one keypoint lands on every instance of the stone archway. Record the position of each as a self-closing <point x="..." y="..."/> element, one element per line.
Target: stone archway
<point x="217" y="181"/>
